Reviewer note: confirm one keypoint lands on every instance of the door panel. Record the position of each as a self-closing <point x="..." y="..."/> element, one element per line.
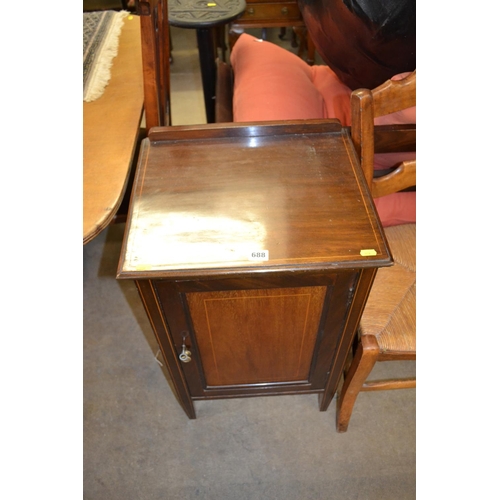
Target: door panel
<point x="256" y="336"/>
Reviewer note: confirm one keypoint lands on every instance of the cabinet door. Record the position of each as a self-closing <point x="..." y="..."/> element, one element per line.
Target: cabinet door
<point x="262" y="336"/>
<point x="254" y="337"/>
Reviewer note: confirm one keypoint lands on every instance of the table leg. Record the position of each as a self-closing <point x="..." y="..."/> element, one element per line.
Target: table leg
<point x="208" y="70"/>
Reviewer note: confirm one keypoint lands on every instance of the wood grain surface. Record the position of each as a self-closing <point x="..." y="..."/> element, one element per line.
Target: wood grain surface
<point x="110" y="131"/>
<point x="208" y="198"/>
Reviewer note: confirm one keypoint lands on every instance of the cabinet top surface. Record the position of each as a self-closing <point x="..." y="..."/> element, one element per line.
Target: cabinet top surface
<point x="214" y="200"/>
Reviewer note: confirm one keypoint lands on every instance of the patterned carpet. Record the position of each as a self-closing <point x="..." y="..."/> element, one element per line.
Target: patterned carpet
<point x="101" y="33"/>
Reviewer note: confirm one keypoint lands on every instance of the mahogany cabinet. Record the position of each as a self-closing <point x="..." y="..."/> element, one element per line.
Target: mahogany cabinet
<point x="253" y="247"/>
<point x="273" y="14"/>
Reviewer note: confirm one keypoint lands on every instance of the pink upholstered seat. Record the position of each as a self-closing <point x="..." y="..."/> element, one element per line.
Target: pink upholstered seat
<point x="271" y="83"/>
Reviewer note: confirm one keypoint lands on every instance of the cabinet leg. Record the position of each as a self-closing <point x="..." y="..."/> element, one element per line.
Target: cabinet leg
<point x="189" y="409"/>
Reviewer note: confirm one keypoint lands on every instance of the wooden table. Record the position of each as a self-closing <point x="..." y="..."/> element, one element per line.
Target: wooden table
<point x="254" y="248"/>
<point x="110" y="131"/>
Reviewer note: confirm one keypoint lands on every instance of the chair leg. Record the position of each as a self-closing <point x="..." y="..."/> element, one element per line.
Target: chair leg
<point x="362" y="364"/>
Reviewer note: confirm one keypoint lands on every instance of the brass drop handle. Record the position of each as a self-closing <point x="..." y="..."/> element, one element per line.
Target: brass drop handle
<point x="284" y="11"/>
<point x="251" y="11"/>
<point x="185" y="355"/>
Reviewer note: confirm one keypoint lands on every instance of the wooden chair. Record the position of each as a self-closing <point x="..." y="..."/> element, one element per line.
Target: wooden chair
<point x="387" y="330"/>
<point x="366" y="105"/>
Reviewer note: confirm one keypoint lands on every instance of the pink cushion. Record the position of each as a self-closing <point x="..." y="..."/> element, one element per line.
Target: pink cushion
<point x="397" y="208"/>
<point x="271" y="83"/>
<point x="336" y="95"/>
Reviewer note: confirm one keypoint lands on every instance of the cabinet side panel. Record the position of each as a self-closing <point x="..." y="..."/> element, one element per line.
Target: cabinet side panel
<point x="360" y="297"/>
<point x="162" y="334"/>
<point x="256" y="336"/>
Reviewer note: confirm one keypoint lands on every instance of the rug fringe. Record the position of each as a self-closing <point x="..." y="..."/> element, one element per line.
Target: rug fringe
<point x="101" y="74"/>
